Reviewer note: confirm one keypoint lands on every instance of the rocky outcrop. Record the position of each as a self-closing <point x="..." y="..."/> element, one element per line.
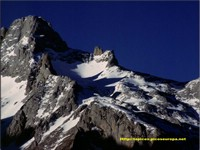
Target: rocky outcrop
<point x="97" y="51"/>
<point x="112" y="59"/>
<point x="101" y="127"/>
<point x="191" y="90"/>
<point x="26" y="37"/>
<point x="40" y="72"/>
<point x="110" y="123"/>
<point x="39" y="31"/>
<point x="109" y="57"/>
<point x="190" y="94"/>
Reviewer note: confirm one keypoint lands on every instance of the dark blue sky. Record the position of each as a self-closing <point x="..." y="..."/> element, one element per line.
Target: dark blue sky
<point x="159" y="38"/>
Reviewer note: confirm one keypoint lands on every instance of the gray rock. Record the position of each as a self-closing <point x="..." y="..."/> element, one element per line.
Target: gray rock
<point x="112" y="59"/>
<point x="191" y="90"/>
<point x="26" y="36"/>
<point x="97" y="51"/>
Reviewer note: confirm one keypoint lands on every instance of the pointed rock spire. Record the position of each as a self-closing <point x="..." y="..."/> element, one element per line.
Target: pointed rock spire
<point x="98" y="51"/>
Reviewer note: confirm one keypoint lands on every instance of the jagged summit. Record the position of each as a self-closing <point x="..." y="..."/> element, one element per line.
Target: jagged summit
<point x="56" y="97"/>
<point x="24" y="38"/>
<point x="33" y="29"/>
<point x="108" y="55"/>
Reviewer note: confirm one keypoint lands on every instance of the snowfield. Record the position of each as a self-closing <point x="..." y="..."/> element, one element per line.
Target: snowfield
<point x="90" y="69"/>
<point x="12" y="95"/>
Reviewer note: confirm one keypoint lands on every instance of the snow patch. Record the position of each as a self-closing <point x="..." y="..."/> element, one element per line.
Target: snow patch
<point x="24" y="40"/>
<point x="194" y="102"/>
<point x="14" y="27"/>
<point x="12" y="95"/>
<point x="136" y="80"/>
<point x="10" y="48"/>
<point x="27" y="144"/>
<point x="56" y="125"/>
<point x="96" y="128"/>
<point x="12" y="53"/>
<point x="90" y="69"/>
<point x="70" y="124"/>
<point x="63" y="68"/>
<point x="32" y="62"/>
<point x="113" y="72"/>
<point x="58" y="142"/>
<point x="88" y="101"/>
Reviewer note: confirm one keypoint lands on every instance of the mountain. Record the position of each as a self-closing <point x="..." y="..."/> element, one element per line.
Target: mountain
<point x="54" y="97"/>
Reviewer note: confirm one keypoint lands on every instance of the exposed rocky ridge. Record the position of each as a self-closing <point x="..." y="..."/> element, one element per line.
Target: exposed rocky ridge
<point x="55" y="95"/>
<point x="191" y="90"/>
<point x="74" y="99"/>
<point x="98" y="50"/>
<point x="25" y="37"/>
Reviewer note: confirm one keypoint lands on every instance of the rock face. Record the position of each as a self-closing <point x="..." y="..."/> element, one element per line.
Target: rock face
<point x="98" y="51"/>
<point x="3" y="32"/>
<point x="24" y="40"/>
<point x="70" y="99"/>
<point x="191" y="90"/>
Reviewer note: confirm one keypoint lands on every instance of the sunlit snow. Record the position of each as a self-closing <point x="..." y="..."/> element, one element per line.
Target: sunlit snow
<point x="12" y="95"/>
<point x="27" y="144"/>
<point x="70" y="124"/>
<point x="90" y="69"/>
<point x="56" y="125"/>
<point x="24" y="40"/>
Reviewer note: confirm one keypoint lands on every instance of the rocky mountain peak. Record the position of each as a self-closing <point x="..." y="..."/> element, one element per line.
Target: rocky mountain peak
<point x="55" y="97"/>
<point x="34" y="29"/>
<point x="26" y="38"/>
<point x="98" y="51"/>
<point x="107" y="55"/>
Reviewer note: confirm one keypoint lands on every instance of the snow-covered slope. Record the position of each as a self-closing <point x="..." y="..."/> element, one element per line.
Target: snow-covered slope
<point x="12" y="95"/>
<point x="61" y="98"/>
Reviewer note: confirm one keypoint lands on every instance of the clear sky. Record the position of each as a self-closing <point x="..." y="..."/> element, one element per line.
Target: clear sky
<point x="159" y="38"/>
